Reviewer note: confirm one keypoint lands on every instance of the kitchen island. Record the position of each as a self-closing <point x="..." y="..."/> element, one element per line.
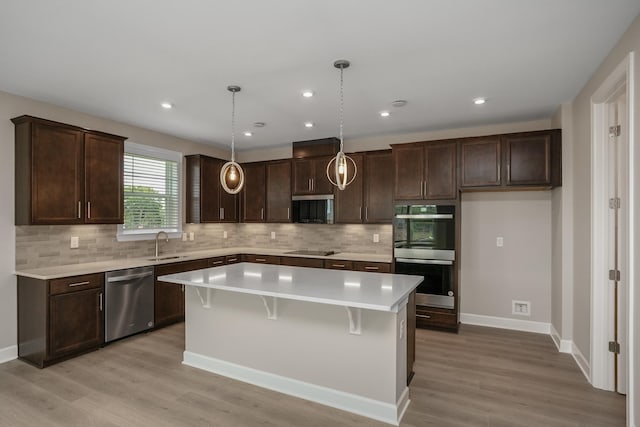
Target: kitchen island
<point x="333" y="337"/>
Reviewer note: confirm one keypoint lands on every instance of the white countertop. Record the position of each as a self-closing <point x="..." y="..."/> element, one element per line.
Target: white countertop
<point x="47" y="273"/>
<point x="373" y="291"/>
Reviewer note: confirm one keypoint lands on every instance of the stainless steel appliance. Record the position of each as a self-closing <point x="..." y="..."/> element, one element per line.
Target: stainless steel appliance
<point x="312" y="209"/>
<point x="128" y="302"/>
<point x="424" y="245"/>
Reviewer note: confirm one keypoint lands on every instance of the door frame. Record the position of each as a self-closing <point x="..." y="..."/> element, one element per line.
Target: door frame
<point x="601" y="369"/>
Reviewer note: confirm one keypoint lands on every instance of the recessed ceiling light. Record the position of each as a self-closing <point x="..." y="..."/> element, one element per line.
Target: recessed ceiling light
<point x="308" y="124"/>
<point x="247" y="133"/>
<point x="399" y="103"/>
<point x="479" y="101"/>
<point x="167" y="105"/>
<point x="307" y="93"/>
<point x="384" y="114"/>
<point x="259" y="124"/>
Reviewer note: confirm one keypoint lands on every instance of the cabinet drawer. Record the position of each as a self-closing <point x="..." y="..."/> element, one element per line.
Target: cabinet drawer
<point x="232" y="259"/>
<point x="338" y="265"/>
<point x="427" y="318"/>
<point x="75" y="283"/>
<point x="373" y="267"/>
<point x="302" y="262"/>
<point x="263" y="259"/>
<point x="180" y="267"/>
<point x="217" y="262"/>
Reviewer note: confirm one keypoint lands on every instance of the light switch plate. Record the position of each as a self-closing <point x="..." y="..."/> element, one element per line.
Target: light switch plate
<point x="192" y="235"/>
<point x="224" y="235"/>
<point x="75" y="242"/>
<point x="184" y="237"/>
<point x="273" y="235"/>
<point x="499" y="242"/>
<point x="376" y="238"/>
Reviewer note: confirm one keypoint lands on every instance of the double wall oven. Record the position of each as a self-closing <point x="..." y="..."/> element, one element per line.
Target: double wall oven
<point x="424" y="245"/>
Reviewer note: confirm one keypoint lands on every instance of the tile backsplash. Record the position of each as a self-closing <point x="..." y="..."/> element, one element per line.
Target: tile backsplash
<point x="45" y="246"/>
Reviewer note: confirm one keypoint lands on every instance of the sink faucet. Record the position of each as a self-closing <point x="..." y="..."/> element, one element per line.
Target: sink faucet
<point x="158" y="237"/>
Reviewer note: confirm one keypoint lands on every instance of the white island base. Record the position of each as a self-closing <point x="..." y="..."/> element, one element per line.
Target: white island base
<point x="332" y="337"/>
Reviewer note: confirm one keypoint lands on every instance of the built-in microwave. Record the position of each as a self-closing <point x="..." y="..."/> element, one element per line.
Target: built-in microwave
<point x="312" y="209"/>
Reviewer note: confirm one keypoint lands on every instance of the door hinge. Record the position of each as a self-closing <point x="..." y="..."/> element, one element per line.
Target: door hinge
<point x="614" y="203"/>
<point x="614" y="347"/>
<point x="614" y="275"/>
<point x="614" y="131"/>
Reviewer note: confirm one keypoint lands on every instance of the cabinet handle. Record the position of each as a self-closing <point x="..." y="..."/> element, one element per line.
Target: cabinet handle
<point x="313" y="184"/>
<point x="79" y="209"/>
<point x="221" y="213"/>
<point x="371" y="268"/>
<point x="360" y="214"/>
<point x="233" y="259"/>
<point x="100" y="301"/>
<point x="424" y="316"/>
<point x="366" y="213"/>
<point x="79" y="284"/>
<point x="309" y="183"/>
<point x="262" y="213"/>
<point x="338" y="265"/>
<point x="261" y="260"/>
<point x="218" y="262"/>
<point x="88" y="210"/>
<point x="288" y="213"/>
<point x="183" y="289"/>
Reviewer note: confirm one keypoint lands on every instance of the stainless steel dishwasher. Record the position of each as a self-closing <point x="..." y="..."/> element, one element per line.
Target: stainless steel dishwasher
<point x="128" y="302"/>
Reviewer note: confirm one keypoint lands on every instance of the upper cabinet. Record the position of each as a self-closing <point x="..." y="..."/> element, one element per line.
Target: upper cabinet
<point x="66" y="174"/>
<point x="253" y="195"/>
<point x="425" y="171"/>
<point x="278" y="187"/>
<point x="369" y="198"/>
<point x="310" y="176"/>
<point x="530" y="159"/>
<point x="206" y="199"/>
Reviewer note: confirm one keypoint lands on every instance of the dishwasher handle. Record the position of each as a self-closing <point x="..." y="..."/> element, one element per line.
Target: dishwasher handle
<point x="129" y="277"/>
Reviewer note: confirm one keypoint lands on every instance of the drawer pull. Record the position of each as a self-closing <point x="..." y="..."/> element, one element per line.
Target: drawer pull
<point x="424" y="316"/>
<point x="233" y="259"/>
<point x="79" y="284"/>
<point x="338" y="265"/>
<point x="260" y="260"/>
<point x="371" y="268"/>
<point x="218" y="262"/>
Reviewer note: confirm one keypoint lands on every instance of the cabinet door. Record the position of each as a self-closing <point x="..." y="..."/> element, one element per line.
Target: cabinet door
<point x="408" y="167"/>
<point x="349" y="207"/>
<point x="528" y="159"/>
<point x="378" y="188"/>
<point x="57" y="193"/>
<point x="440" y="170"/>
<point x="480" y="162"/>
<point x="75" y="322"/>
<point x="303" y="174"/>
<point x="169" y="297"/>
<point x="229" y="209"/>
<point x="279" y="191"/>
<point x="253" y="194"/>
<point x="104" y="159"/>
<point x="208" y="189"/>
<point x="321" y="184"/>
<point x="302" y="262"/>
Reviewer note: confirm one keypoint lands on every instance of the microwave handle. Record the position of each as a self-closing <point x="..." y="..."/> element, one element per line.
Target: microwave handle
<point x="424" y="261"/>
<point x="424" y="216"/>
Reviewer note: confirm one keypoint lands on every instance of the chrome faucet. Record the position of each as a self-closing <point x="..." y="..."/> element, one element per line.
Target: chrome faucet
<point x="158" y="237"/>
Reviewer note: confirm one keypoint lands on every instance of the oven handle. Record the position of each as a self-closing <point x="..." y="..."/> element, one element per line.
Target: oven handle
<point x="424" y="216"/>
<point x="424" y="261"/>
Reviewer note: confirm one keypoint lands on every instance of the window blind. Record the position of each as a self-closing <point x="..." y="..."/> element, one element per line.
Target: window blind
<point x="151" y="194"/>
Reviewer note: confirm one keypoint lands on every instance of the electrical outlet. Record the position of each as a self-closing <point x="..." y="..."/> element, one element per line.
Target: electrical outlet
<point x="75" y="242"/>
<point x="521" y="308"/>
<point x="376" y="238"/>
<point x="192" y="235"/>
<point x="273" y="235"/>
<point x="224" y="235"/>
<point x="402" y="323"/>
<point x="184" y="237"/>
<point x="499" y="242"/>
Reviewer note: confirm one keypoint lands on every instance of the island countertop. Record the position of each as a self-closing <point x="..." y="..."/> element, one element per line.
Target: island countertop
<point x="373" y="291"/>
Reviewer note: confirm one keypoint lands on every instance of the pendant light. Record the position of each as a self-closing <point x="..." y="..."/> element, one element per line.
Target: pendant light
<point x="231" y="174"/>
<point x="338" y="173"/>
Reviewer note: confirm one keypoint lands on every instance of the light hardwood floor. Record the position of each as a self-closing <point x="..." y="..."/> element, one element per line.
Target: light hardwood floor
<point x="480" y="377"/>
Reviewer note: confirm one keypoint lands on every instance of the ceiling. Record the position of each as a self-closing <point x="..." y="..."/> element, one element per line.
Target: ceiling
<point x="121" y="59"/>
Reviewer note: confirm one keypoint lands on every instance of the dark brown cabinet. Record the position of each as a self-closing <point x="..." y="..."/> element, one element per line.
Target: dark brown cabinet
<point x="59" y="318"/>
<point x="338" y="264"/>
<point x="425" y="171"/>
<point x="262" y="259"/>
<point x="310" y="176"/>
<point x="66" y="174"/>
<point x="206" y="199"/>
<point x="169" y="297"/>
<point x="512" y="161"/>
<point x="369" y="198"/>
<point x="372" y="267"/>
<point x="278" y="191"/>
<point x="302" y="262"/>
<point x="253" y="195"/>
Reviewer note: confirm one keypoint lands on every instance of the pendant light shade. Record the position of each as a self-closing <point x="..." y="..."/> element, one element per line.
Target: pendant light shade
<point x="231" y="174"/>
<point x="339" y="167"/>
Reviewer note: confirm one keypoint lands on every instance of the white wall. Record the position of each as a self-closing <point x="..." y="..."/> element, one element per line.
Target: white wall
<point x="492" y="277"/>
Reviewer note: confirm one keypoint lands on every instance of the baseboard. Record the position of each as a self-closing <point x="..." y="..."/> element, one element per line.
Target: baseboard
<point x="8" y="353"/>
<point x="564" y="346"/>
<point x="381" y="411"/>
<point x="506" y="323"/>
<point x="581" y="361"/>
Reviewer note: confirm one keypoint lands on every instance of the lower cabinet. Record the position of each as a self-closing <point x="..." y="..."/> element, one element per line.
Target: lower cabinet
<point x="338" y="264"/>
<point x="262" y="259"/>
<point x="59" y="318"/>
<point x="302" y="262"/>
<point x="436" y="318"/>
<point x="169" y="297"/>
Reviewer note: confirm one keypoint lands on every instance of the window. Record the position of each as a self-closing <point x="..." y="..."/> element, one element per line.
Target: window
<point x="152" y="199"/>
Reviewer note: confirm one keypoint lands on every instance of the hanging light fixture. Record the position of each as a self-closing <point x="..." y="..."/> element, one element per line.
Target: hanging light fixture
<point x="231" y="174"/>
<point x="338" y="173"/>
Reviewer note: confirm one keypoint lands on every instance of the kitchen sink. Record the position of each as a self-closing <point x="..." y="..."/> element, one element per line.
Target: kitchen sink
<point x="166" y="257"/>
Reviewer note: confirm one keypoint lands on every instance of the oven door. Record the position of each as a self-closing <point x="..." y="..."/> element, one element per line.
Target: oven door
<point x="436" y="290"/>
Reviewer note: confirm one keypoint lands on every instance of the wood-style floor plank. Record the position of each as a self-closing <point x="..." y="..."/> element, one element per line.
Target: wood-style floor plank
<point x="479" y="377"/>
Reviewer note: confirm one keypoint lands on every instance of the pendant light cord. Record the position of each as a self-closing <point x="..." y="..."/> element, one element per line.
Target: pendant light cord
<point x="341" y="107"/>
<point x="233" y="125"/>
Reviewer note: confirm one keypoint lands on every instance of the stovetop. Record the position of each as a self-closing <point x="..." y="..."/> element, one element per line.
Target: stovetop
<point x="310" y="252"/>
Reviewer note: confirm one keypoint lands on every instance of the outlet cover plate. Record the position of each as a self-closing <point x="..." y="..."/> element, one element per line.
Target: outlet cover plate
<point x="521" y="308"/>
